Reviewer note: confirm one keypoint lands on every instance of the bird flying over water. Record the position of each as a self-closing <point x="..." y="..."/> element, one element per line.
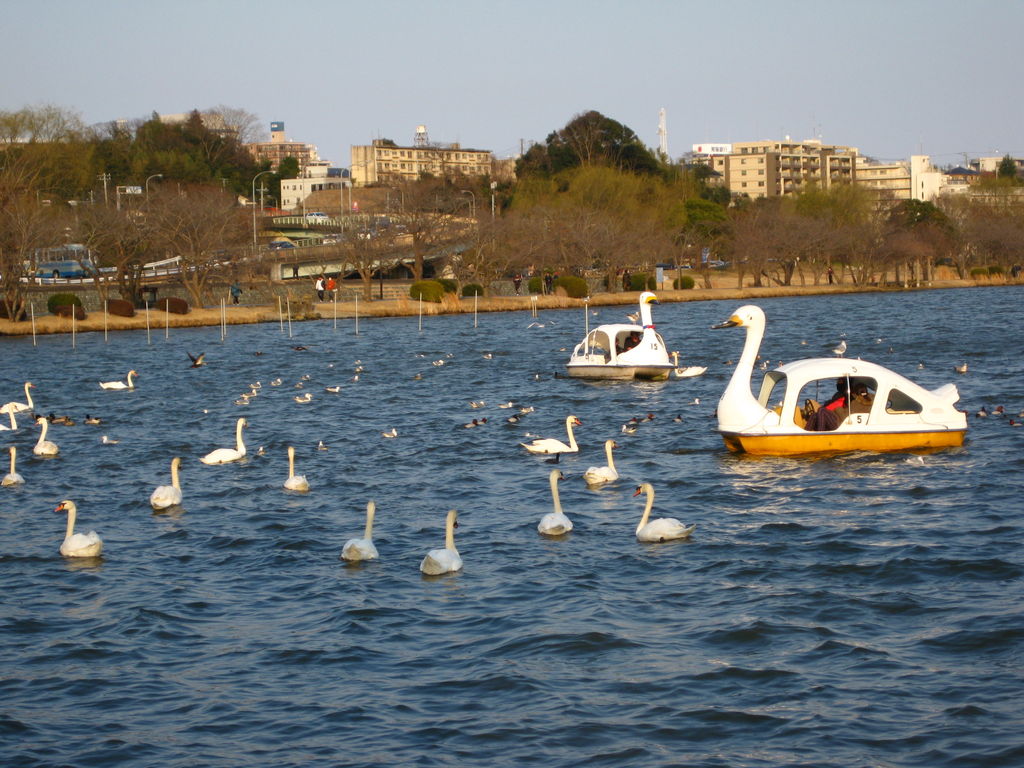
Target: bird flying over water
<point x="197" y="360"/>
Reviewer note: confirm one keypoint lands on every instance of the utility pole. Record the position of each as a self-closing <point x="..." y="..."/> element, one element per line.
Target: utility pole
<point x="104" y="177"/>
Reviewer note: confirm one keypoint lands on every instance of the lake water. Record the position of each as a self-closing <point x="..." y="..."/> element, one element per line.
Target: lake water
<point x="858" y="610"/>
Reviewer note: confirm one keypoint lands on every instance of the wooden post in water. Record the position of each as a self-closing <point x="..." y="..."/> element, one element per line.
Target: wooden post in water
<point x="223" y="320"/>
<point x="149" y="339"/>
<point x="335" y="310"/>
<point x="105" y="322"/>
<point x="280" y="313"/>
<point x="288" y="301"/>
<point x="533" y="306"/>
<point x="73" y="314"/>
<point x="421" y="313"/>
<point x="32" y="309"/>
<point x="167" y="320"/>
<point x="475" y="297"/>
<point x="357" y="314"/>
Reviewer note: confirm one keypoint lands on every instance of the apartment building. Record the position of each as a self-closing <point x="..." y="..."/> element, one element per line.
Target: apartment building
<point x="317" y="176"/>
<point x="774" y="168"/>
<point x="278" y="148"/>
<point x="383" y="160"/>
<point x="886" y="181"/>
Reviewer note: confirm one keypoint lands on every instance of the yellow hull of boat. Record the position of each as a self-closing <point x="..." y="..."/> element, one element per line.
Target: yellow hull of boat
<point x="830" y="442"/>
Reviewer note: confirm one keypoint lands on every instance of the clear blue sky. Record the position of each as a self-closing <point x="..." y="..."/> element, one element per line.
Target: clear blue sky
<point x="891" y="77"/>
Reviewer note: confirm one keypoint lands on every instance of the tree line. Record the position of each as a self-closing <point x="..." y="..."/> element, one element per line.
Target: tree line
<point x="590" y="200"/>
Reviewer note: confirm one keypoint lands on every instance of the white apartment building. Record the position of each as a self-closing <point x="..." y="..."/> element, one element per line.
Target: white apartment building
<point x="384" y="160"/>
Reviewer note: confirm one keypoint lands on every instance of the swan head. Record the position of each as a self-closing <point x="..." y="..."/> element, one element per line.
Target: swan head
<point x="747" y="316"/>
<point x="66" y="506"/>
<point x="638" y="491"/>
<point x="573" y="421"/>
<point x="556" y="475"/>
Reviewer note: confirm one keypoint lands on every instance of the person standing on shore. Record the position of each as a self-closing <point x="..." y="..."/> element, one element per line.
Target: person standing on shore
<point x="517" y="281"/>
<point x="319" y="287"/>
<point x="332" y="285"/>
<point x="236" y="291"/>
<point x="831" y="276"/>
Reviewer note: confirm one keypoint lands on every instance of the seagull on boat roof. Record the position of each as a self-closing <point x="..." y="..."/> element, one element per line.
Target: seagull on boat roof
<point x="840" y="350"/>
<point x="197" y="360"/>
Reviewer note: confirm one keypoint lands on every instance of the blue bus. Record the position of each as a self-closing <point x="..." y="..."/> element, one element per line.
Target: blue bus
<point x="64" y="262"/>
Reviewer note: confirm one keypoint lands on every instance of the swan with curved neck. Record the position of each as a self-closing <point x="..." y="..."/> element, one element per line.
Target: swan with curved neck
<point x="12" y="477"/>
<point x="555" y="523"/>
<point x="227" y="455"/>
<point x="607" y="474"/>
<point x="362" y="549"/>
<point x="44" y="447"/>
<point x="78" y="544"/>
<point x="550" y="445"/>
<point x="120" y="384"/>
<point x="662" y="528"/>
<point x="14" y="424"/>
<point x="168" y="495"/>
<point x="738" y="409"/>
<point x="447" y="560"/>
<point x="295" y="482"/>
<point x="16" y="407"/>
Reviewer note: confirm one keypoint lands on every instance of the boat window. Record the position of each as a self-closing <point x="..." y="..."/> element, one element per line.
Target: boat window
<point x="773" y="389"/>
<point x="900" y="402"/>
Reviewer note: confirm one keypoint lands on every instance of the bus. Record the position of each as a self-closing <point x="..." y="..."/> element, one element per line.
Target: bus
<point x="71" y="261"/>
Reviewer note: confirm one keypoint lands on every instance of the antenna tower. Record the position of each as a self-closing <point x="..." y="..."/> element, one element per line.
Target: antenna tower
<point x="662" y="133"/>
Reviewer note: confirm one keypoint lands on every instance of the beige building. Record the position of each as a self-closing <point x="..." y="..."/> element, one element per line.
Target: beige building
<point x="774" y="168"/>
<point x="278" y="148"/>
<point x="384" y="160"/>
<point x="887" y="181"/>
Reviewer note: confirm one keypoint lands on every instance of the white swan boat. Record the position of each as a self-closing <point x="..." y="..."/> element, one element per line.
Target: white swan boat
<point x="606" y="351"/>
<point x="895" y="415"/>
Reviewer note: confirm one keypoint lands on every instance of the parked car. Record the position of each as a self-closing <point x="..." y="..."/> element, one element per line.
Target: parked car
<point x="279" y="245"/>
<point x="316" y="217"/>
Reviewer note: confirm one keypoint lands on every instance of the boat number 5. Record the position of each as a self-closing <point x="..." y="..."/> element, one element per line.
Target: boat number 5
<point x="859" y="418"/>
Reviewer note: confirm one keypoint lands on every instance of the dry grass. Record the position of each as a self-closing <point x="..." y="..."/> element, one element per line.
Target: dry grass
<point x="405" y="307"/>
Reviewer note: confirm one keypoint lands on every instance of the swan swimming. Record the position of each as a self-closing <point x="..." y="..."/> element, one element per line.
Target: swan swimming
<point x="120" y="384"/>
<point x="165" y="496"/>
<point x="16" y="407"/>
<point x="227" y="455"/>
<point x="295" y="482"/>
<point x="662" y="528"/>
<point x="550" y="445"/>
<point x="12" y="477"/>
<point x="447" y="560"/>
<point x="14" y="424"/>
<point x="362" y="549"/>
<point x="555" y="523"/>
<point x="44" y="447"/>
<point x="607" y="474"/>
<point x="78" y="544"/>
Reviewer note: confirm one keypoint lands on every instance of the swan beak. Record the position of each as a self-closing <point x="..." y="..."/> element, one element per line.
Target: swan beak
<point x="732" y="322"/>
<point x="638" y="491"/>
<point x="60" y="507"/>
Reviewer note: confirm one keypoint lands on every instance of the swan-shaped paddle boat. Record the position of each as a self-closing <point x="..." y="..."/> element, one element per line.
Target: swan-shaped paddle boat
<point x="603" y="353"/>
<point x="16" y="407"/>
<point x="165" y="496"/>
<point x="12" y="477"/>
<point x="44" y="447"/>
<point x="554" y="523"/>
<point x="662" y="528"/>
<point x="447" y="560"/>
<point x="120" y="384"/>
<point x="295" y="482"/>
<point x="364" y="548"/>
<point x="227" y="455"/>
<point x="897" y="415"/>
<point x="78" y="544"/>
<point x="550" y="445"/>
<point x="606" y="474"/>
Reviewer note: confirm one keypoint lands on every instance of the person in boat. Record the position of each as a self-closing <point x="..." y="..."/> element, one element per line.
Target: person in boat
<point x="860" y="397"/>
<point x="630" y="341"/>
<point x="828" y="416"/>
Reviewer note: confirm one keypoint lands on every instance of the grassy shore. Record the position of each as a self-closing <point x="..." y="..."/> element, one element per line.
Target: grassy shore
<point x="242" y="313"/>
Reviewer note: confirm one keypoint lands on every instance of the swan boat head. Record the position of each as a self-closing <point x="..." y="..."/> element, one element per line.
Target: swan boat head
<point x="892" y="413"/>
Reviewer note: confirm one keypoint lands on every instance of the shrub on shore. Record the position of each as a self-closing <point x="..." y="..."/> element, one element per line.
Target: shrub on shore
<point x="428" y="290"/>
<point x="472" y="289"/>
<point x="62" y="300"/>
<point x="575" y="287"/>
<point x="683" y="283"/>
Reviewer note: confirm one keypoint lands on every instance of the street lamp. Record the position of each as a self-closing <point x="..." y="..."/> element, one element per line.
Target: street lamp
<point x="494" y="186"/>
<point x="255" y="242"/>
<point x="472" y="202"/>
<point x="154" y="176"/>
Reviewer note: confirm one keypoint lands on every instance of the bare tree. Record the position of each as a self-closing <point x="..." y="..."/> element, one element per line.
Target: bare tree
<point x="119" y="239"/>
<point x="204" y="227"/>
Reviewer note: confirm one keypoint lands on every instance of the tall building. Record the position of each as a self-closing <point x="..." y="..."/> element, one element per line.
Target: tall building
<point x="886" y="181"/>
<point x="278" y="148"/>
<point x="774" y="168"/>
<point x="384" y="160"/>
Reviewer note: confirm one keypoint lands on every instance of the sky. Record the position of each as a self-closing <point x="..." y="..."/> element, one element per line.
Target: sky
<point x="890" y="77"/>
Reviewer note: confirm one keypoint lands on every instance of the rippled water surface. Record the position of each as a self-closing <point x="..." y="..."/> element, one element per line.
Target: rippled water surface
<point x="859" y="610"/>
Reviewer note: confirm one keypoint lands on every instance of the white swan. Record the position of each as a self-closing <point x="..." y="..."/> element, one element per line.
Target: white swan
<point x="447" y="560"/>
<point x="294" y="482"/>
<point x="78" y="544"/>
<point x="12" y="477"/>
<point x="14" y="424"/>
<point x="362" y="549"/>
<point x="227" y="455"/>
<point x="550" y="445"/>
<point x="168" y="495"/>
<point x="555" y="523"/>
<point x="120" y="384"/>
<point x="662" y="528"/>
<point x="16" y="407"/>
<point x="608" y="474"/>
<point x="44" y="447"/>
